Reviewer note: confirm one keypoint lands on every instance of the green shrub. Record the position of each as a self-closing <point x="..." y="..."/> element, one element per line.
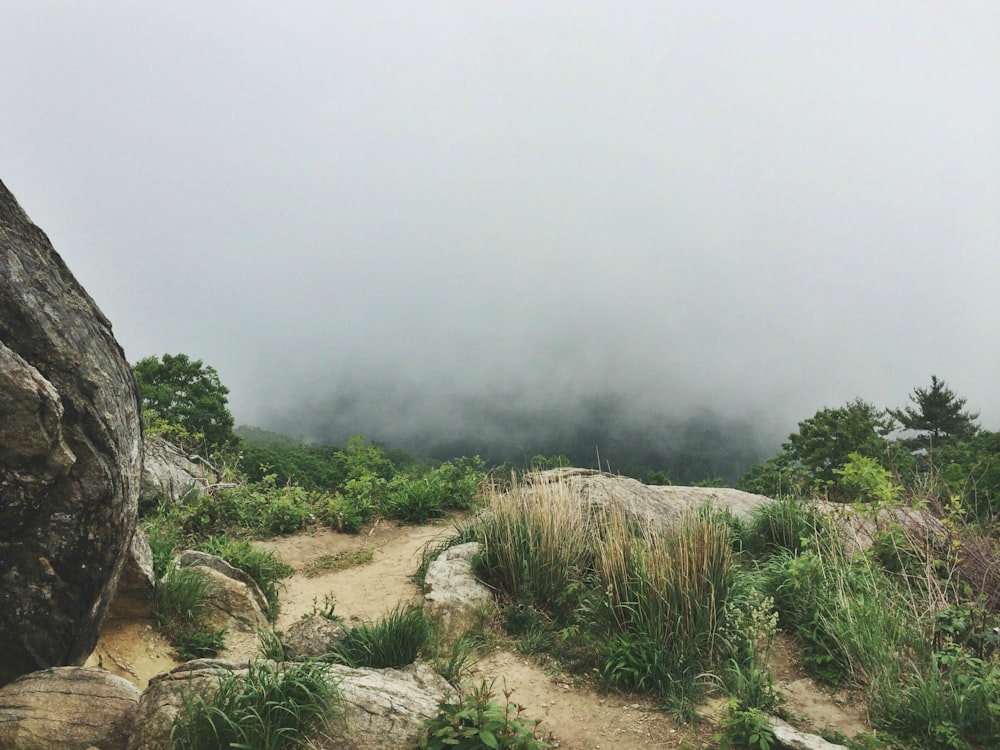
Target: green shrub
<point x="417" y="501"/>
<point x="745" y="729"/>
<point x="472" y="720"/>
<point x="198" y="642"/>
<point x="163" y="539"/>
<point x="179" y="598"/>
<point x="393" y="641"/>
<point x="268" y="708"/>
<point x="179" y="610"/>
<point x="786" y="524"/>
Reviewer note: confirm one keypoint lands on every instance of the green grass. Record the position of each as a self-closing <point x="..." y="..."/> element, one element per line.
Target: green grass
<point x="179" y="605"/>
<point x="395" y="640"/>
<point x="271" y="707"/>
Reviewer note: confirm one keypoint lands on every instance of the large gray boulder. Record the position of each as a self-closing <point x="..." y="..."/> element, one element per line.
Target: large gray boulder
<point x="646" y="504"/>
<point x="70" y="455"/>
<point x="67" y="708"/>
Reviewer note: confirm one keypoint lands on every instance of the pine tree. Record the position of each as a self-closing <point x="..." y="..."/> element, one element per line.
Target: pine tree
<point x="936" y="416"/>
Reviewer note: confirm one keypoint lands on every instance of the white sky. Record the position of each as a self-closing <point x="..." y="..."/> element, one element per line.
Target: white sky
<point x="759" y="207"/>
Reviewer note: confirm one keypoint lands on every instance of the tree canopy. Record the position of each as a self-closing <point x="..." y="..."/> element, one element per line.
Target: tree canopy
<point x="937" y="416"/>
<point x="186" y="393"/>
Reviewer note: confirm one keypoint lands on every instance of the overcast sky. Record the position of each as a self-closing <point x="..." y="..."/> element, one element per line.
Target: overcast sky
<point x="756" y="208"/>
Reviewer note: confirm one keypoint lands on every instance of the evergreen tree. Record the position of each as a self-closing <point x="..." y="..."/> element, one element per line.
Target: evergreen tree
<point x="937" y="417"/>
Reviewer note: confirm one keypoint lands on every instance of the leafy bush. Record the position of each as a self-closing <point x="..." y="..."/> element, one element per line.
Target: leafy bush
<point x="472" y="720"/>
<point x="268" y="708"/>
<point x="394" y="641"/>
<point x="745" y="729"/>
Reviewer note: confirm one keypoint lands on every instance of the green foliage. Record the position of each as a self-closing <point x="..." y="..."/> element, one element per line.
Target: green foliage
<point x="951" y="703"/>
<point x="937" y="417"/>
<point x="261" y="509"/>
<point x="263" y="566"/>
<point x="393" y="641"/>
<point x="271" y="707"/>
<point x="179" y="610"/>
<point x="472" y="719"/>
<point x="809" y="458"/>
<point x="199" y="642"/>
<point x="186" y="393"/>
<point x="745" y="729"/>
<point x="864" y="479"/>
<point x="786" y="524"/>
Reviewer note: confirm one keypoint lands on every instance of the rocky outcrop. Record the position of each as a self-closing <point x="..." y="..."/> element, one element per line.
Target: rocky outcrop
<point x="70" y="455"/>
<point x="168" y="474"/>
<point x="453" y="595"/>
<point x="376" y="709"/>
<point x="67" y="708"/>
<point x="646" y="504"/>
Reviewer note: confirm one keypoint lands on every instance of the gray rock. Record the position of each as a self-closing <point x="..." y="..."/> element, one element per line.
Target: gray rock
<point x="310" y="637"/>
<point x="384" y="708"/>
<point x="645" y="503"/>
<point x="70" y="455"/>
<point x="137" y="583"/>
<point x="234" y="600"/>
<point x="788" y="737"/>
<point x="453" y="595"/>
<point x="168" y="474"/>
<point x="67" y="708"/>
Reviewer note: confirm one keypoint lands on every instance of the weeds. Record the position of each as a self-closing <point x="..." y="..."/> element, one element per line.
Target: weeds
<point x="472" y="719"/>
<point x="394" y="641"/>
<point x="270" y="707"/>
<point x="179" y="610"/>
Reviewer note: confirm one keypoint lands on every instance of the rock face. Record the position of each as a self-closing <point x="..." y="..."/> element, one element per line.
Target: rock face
<point x="168" y="475"/>
<point x="453" y="595"/>
<point x="70" y="455"/>
<point x="67" y="708"/>
<point x="645" y="503"/>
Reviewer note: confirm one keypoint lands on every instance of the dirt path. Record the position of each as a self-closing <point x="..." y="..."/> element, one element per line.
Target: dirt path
<point x="574" y="716"/>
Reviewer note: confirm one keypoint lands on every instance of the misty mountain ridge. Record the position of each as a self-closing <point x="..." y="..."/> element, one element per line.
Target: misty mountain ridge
<point x="623" y="436"/>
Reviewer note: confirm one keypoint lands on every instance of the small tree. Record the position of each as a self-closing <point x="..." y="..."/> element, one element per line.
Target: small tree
<point x="937" y="417"/>
<point x="186" y="393"/>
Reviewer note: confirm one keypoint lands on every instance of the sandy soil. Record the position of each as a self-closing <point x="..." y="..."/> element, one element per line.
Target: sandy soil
<point x="574" y="716"/>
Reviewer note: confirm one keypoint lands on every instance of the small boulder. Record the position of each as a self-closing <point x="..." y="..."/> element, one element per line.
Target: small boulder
<point x="67" y="708"/>
<point x="311" y="637"/>
<point x="453" y="595"/>
<point x="235" y="601"/>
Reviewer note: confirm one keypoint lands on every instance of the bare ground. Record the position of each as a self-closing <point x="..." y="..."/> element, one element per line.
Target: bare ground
<point x="574" y="715"/>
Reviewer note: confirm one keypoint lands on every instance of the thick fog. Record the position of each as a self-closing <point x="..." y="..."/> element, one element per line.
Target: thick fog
<point x="441" y="222"/>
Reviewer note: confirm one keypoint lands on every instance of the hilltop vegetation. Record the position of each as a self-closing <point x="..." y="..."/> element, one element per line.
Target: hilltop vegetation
<point x="909" y="622"/>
